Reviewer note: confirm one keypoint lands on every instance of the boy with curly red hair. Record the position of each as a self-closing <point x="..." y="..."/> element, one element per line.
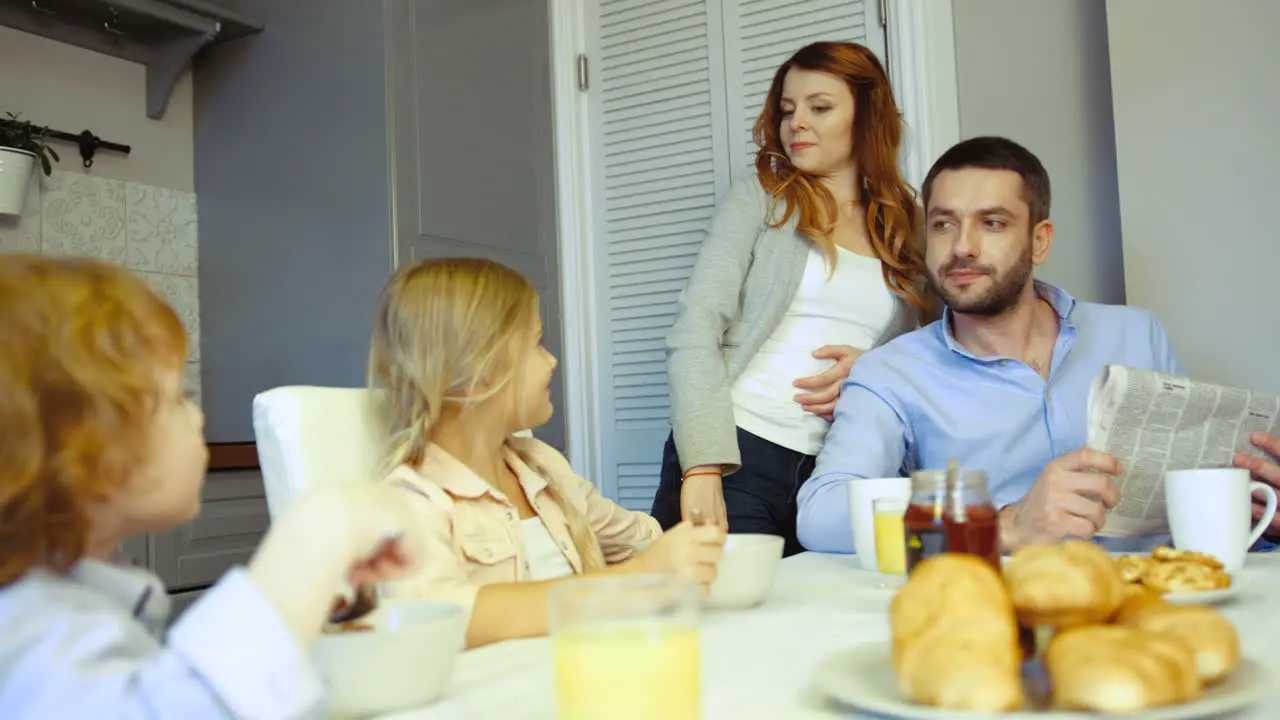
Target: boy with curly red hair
<point x="99" y="443"/>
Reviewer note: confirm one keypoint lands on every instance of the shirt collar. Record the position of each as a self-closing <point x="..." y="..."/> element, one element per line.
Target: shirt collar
<point x="455" y="478"/>
<point x="527" y="470"/>
<point x="138" y="592"/>
<point x="1060" y="300"/>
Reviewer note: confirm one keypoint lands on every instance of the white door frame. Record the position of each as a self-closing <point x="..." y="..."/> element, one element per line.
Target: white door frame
<point x="921" y="47"/>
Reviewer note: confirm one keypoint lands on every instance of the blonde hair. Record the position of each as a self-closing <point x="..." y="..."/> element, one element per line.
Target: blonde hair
<point x="79" y="385"/>
<point x="448" y="334"/>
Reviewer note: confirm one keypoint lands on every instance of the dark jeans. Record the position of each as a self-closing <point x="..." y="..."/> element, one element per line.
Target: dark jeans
<point x="759" y="498"/>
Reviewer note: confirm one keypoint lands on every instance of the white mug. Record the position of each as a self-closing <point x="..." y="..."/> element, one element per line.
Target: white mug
<point x="862" y="492"/>
<point x="1210" y="511"/>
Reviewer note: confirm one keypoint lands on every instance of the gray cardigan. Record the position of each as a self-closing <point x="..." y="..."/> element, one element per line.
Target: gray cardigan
<point x="742" y="283"/>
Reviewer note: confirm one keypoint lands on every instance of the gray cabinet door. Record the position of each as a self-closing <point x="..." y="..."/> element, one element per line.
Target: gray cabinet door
<point x="233" y="518"/>
<point x="137" y="550"/>
<point x="179" y="602"/>
<point x="473" y="156"/>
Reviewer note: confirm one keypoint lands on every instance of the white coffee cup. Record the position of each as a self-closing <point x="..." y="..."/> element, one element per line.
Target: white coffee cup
<point x="746" y="571"/>
<point x="862" y="493"/>
<point x="1210" y="511"/>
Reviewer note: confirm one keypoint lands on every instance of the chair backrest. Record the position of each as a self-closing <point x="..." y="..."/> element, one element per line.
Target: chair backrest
<point x="311" y="436"/>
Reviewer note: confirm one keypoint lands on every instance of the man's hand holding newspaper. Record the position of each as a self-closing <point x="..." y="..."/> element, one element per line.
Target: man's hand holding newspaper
<point x="1153" y="423"/>
<point x="1069" y="499"/>
<point x="1265" y="471"/>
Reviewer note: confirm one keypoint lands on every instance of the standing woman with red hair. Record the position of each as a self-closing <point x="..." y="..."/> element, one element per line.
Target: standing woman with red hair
<point x="807" y="264"/>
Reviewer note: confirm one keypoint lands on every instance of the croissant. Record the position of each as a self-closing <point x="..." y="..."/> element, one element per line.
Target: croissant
<point x="1065" y="584"/>
<point x="955" y="637"/>
<point x="1116" y="668"/>
<point x="1136" y="599"/>
<point x="1211" y="637"/>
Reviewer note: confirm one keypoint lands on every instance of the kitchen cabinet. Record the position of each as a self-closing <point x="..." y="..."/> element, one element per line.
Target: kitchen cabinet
<point x="233" y="518"/>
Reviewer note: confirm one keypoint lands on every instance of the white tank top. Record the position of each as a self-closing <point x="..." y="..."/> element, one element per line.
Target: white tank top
<point x="853" y="307"/>
<point x="546" y="560"/>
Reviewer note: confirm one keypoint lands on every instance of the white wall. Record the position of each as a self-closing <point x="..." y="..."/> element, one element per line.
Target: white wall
<point x="137" y="210"/>
<point x="1037" y="73"/>
<point x="1197" y="122"/>
<point x="72" y="89"/>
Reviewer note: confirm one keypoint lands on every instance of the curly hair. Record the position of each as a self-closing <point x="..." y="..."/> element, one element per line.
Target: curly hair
<point x="84" y="342"/>
<point x="877" y="133"/>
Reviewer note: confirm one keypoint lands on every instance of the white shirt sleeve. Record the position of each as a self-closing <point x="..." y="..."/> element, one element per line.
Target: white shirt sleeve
<point x="68" y="653"/>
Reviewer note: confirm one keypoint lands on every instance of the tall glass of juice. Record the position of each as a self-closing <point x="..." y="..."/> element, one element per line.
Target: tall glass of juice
<point x="891" y="543"/>
<point x="626" y="646"/>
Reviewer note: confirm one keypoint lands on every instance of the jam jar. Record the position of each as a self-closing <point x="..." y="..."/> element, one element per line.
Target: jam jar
<point x="955" y="517"/>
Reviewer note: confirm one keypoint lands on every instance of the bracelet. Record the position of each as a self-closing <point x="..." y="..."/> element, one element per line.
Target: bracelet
<point x="701" y="472"/>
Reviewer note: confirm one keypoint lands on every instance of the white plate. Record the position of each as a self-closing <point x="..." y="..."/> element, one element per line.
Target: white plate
<point x="1205" y="597"/>
<point x="862" y="677"/>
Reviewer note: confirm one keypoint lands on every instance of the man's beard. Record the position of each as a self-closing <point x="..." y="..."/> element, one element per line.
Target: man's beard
<point x="1006" y="287"/>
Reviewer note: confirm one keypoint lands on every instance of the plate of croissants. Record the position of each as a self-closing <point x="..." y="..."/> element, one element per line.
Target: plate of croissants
<point x="1059" y="634"/>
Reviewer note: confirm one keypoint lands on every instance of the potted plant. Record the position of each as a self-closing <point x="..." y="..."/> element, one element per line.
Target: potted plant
<point x="21" y="144"/>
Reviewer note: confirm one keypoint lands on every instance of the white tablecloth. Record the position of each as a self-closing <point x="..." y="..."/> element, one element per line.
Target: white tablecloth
<point x="759" y="663"/>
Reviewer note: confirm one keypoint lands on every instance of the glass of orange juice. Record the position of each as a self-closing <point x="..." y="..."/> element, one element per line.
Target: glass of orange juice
<point x="891" y="544"/>
<point x="626" y="646"/>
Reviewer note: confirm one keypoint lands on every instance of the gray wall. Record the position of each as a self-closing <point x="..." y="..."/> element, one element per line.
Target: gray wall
<point x="474" y="156"/>
<point x="1038" y="73"/>
<point x="1198" y="155"/>
<point x="292" y="175"/>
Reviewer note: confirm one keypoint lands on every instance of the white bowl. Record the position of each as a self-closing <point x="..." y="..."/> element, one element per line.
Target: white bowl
<point x="747" y="571"/>
<point x="405" y="661"/>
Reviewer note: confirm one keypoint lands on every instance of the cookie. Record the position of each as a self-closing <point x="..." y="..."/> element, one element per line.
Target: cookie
<point x="1132" y="567"/>
<point x="1165" y="553"/>
<point x="1183" y="576"/>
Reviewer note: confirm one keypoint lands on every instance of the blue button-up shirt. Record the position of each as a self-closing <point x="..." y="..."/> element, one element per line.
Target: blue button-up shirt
<point x="923" y="399"/>
<point x="88" y="644"/>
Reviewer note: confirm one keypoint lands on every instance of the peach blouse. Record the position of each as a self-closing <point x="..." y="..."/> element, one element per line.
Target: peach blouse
<point x="473" y="530"/>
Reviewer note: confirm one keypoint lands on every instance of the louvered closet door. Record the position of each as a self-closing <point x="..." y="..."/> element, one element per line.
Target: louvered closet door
<point x="759" y="35"/>
<point x="660" y="161"/>
<point x="675" y="86"/>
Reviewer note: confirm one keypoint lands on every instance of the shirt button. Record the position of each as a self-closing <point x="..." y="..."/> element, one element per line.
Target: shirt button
<point x="1004" y="362"/>
<point x="488" y="554"/>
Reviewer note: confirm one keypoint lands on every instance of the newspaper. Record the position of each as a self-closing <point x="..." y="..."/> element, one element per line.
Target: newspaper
<point x="1153" y="423"/>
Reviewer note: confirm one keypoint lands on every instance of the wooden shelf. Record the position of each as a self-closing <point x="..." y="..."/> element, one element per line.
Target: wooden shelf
<point x="163" y="35"/>
<point x="233" y="456"/>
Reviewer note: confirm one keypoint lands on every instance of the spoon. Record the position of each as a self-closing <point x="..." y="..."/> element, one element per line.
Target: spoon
<point x="365" y="600"/>
<point x="363" y="603"/>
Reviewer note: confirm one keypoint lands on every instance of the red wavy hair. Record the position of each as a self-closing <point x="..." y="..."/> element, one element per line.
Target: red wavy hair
<point x="83" y="344"/>
<point x="877" y="133"/>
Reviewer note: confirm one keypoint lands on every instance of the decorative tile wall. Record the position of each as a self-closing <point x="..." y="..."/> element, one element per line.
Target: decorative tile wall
<point x="150" y="230"/>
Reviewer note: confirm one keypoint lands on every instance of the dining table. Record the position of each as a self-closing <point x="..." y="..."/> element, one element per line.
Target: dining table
<point x="761" y="662"/>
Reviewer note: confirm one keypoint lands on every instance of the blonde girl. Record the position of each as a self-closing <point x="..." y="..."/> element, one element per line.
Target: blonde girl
<point x="458" y="364"/>
<point x="101" y="444"/>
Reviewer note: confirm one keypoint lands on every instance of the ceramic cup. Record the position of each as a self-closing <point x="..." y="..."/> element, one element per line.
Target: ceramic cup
<point x="1210" y="511"/>
<point x="747" y="572"/>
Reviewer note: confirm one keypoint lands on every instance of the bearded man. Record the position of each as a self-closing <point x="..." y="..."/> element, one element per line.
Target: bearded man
<point x="1001" y="382"/>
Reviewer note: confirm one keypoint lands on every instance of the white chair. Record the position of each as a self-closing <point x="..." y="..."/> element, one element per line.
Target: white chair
<point x="311" y="436"/>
